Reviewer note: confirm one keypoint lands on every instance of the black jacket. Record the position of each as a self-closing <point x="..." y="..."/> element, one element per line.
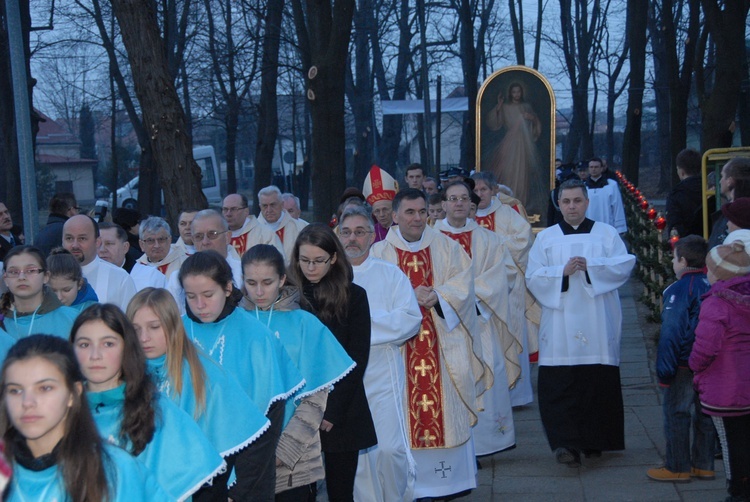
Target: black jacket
<point x="347" y="407"/>
<point x="51" y="235"/>
<point x="684" y="207"/>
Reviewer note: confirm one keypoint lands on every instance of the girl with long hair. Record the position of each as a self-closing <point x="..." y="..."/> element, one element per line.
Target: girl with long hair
<point x="316" y="353"/>
<point x="246" y="349"/>
<point x="67" y="282"/>
<point x="29" y="306"/>
<point x="199" y="386"/>
<point x="320" y="266"/>
<point x="51" y="439"/>
<point x="128" y="410"/>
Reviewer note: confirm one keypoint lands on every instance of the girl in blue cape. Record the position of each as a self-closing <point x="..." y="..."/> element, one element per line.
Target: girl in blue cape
<point x="318" y="355"/>
<point x="67" y="282"/>
<point x="128" y="410"/>
<point x="245" y="348"/>
<point x="30" y="306"/>
<point x="199" y="386"/>
<point x="51" y="439"/>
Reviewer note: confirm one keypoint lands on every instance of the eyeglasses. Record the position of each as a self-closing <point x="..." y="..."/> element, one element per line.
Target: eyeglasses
<point x="151" y="241"/>
<point x="232" y="209"/>
<point x="212" y="235"/>
<point x="453" y="198"/>
<point x="357" y="233"/>
<point x="29" y="272"/>
<point x="314" y="263"/>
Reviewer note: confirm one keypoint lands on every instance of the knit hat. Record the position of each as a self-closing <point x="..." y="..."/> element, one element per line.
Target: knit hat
<point x="738" y="212"/>
<point x="728" y="260"/>
<point x="379" y="185"/>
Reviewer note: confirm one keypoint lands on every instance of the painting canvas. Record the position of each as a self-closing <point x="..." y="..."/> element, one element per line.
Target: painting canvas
<point x="516" y="136"/>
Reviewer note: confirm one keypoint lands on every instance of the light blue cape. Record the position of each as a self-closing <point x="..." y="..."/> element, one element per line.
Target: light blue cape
<point x="179" y="455"/>
<point x="230" y="420"/>
<point x="246" y="349"/>
<point x="57" y="322"/>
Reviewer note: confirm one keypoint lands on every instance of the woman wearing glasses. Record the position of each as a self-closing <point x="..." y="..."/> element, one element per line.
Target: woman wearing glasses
<point x="30" y="306"/>
<point x="320" y="266"/>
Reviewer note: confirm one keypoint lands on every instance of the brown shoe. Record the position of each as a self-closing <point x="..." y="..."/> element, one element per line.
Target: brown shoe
<point x="701" y="473"/>
<point x="664" y="474"/>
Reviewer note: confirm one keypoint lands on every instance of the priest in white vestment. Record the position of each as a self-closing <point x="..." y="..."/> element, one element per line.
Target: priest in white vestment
<point x="605" y="201"/>
<point x="112" y="284"/>
<point x="273" y="217"/>
<point x="442" y="366"/>
<point x="114" y="248"/>
<point x="155" y="238"/>
<point x="515" y="230"/>
<point x="500" y="301"/>
<point x="386" y="471"/>
<point x="575" y="268"/>
<point x="247" y="231"/>
<point x="185" y="241"/>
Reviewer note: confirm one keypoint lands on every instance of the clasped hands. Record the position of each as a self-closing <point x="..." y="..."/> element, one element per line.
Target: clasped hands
<point x="575" y="264"/>
<point x="426" y="296"/>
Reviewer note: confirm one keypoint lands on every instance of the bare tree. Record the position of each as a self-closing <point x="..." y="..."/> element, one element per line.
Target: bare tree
<point x="323" y="31"/>
<point x="636" y="33"/>
<point x="164" y="117"/>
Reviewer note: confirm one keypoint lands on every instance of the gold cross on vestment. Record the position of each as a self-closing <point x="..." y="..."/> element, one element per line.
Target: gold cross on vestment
<point x="415" y="263"/>
<point x="423" y="333"/>
<point x="427" y="438"/>
<point x="485" y="224"/>
<point x="425" y="403"/>
<point x="423" y="367"/>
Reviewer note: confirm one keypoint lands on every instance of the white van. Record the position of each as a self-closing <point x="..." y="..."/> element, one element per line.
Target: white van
<point x="127" y="196"/>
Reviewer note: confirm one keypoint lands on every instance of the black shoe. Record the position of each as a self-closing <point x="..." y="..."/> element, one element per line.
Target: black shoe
<point x="568" y="456"/>
<point x="592" y="453"/>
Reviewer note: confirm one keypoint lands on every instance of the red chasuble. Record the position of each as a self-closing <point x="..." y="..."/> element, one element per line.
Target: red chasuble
<point x="464" y="238"/>
<point x="240" y="243"/>
<point x="487" y="222"/>
<point x="423" y="385"/>
<point x="163" y="268"/>
<point x="280" y="233"/>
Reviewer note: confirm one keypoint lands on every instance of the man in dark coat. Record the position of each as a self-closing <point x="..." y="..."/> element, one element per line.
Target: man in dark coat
<point x="685" y="201"/>
<point x="61" y="207"/>
<point x="7" y="239"/>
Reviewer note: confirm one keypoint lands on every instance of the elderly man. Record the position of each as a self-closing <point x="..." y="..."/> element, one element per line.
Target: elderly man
<point x="383" y="471"/>
<point x="516" y="231"/>
<point x="442" y="367"/>
<point x="185" y="241"/>
<point x="158" y="250"/>
<point x="7" y="239"/>
<point x="210" y="231"/>
<point x="414" y="176"/>
<point x="114" y="246"/>
<point x="379" y="190"/>
<point x="574" y="270"/>
<point x="500" y="300"/>
<point x="111" y="283"/>
<point x="291" y="206"/>
<point x="273" y="216"/>
<point x="246" y="229"/>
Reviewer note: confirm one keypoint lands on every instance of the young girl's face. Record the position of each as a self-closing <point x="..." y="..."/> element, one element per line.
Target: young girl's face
<point x="37" y="400"/>
<point x="66" y="289"/>
<point x="205" y="297"/>
<point x="262" y="283"/>
<point x="99" y="351"/>
<point x="25" y="276"/>
<point x="150" y="332"/>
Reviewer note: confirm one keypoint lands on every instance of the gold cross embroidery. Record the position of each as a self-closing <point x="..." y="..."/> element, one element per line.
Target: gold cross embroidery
<point x="425" y="403"/>
<point x="427" y="438"/>
<point x="415" y="263"/>
<point x="423" y="367"/>
<point x="485" y="224"/>
<point x="423" y="333"/>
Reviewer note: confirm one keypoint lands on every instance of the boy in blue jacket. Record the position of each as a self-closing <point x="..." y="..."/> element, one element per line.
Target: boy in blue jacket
<point x="679" y="318"/>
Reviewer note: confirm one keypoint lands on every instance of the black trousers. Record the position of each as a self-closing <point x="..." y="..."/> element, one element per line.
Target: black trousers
<point x="340" y="467"/>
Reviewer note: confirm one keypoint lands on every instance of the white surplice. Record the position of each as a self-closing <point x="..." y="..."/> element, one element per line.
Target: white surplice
<point x="386" y="471"/>
<point x="605" y="205"/>
<point x="111" y="283"/>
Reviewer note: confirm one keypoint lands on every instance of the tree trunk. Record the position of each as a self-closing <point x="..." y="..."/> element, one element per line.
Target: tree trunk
<point x="326" y="29"/>
<point x="517" y="29"/>
<point x="179" y="175"/>
<point x="268" y="115"/>
<point x="726" y="22"/>
<point x="744" y="108"/>
<point x="471" y="75"/>
<point x="424" y="83"/>
<point x="636" y="33"/>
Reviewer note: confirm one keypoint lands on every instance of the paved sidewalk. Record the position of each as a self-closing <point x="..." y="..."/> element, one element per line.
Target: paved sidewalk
<point x="530" y="473"/>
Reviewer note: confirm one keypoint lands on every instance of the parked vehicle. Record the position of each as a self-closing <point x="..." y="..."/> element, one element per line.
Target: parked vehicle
<point x="127" y="195"/>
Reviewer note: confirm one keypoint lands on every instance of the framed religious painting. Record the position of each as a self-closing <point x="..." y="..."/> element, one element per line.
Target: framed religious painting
<point x="516" y="136"/>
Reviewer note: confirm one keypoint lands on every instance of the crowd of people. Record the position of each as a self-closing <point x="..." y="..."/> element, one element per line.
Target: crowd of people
<point x="251" y="358"/>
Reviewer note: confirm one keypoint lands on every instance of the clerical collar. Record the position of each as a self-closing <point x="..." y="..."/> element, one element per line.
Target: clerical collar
<point x="584" y="228"/>
<point x="413" y="246"/>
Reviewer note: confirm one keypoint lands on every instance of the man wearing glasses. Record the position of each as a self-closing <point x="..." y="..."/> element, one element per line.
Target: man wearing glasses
<point x="246" y="229"/>
<point x="210" y="231"/>
<point x="383" y="472"/>
<point x="158" y="250"/>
